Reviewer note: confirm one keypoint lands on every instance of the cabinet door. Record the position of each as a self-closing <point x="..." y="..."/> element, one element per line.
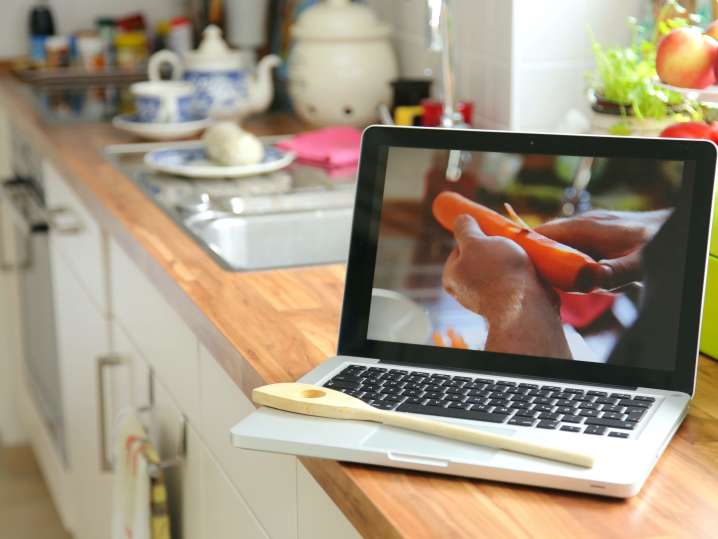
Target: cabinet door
<point x="82" y="334"/>
<point x="319" y="517"/>
<point x="77" y="236"/>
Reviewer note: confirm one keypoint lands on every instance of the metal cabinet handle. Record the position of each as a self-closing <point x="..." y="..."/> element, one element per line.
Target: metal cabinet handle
<point x="64" y="220"/>
<point x="154" y="468"/>
<point x="103" y="363"/>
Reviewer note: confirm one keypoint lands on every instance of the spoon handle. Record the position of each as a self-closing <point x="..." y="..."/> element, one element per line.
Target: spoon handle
<point x="478" y="437"/>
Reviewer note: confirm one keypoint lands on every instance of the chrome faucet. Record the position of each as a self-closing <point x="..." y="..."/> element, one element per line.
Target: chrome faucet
<point x="441" y="38"/>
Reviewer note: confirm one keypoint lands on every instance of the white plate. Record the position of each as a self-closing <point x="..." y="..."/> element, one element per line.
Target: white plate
<point x="709" y="94"/>
<point x="193" y="162"/>
<point x="160" y="131"/>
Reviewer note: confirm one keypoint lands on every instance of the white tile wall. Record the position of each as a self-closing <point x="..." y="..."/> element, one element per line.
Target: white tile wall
<point x="71" y="15"/>
<point x="523" y="62"/>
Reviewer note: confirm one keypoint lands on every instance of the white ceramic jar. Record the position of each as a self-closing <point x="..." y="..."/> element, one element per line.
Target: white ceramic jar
<point x="341" y="64"/>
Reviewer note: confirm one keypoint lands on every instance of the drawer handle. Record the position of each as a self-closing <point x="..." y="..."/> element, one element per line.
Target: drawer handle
<point x="104" y="363"/>
<point x="64" y="220"/>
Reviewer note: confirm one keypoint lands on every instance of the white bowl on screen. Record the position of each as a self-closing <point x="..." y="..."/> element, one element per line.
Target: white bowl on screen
<point x="396" y="318"/>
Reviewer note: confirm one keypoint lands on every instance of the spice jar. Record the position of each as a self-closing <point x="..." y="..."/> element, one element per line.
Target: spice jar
<point x="131" y="49"/>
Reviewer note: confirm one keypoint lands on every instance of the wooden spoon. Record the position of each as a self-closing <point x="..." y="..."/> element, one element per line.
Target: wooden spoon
<point x="323" y="402"/>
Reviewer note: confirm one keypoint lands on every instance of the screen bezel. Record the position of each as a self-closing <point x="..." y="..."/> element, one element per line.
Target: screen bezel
<point x="362" y="253"/>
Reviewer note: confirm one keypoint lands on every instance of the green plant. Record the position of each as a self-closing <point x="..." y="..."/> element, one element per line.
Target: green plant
<point x="627" y="76"/>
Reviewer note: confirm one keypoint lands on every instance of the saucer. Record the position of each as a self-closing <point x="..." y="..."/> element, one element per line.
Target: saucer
<point x="193" y="162"/>
<point x="160" y="131"/>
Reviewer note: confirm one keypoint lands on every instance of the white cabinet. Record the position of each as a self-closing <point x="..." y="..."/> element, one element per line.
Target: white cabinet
<point x="225" y="513"/>
<point x="82" y="334"/>
<point x="266" y="480"/>
<point x="81" y="244"/>
<point x="122" y="345"/>
<point x="163" y="339"/>
<point x="319" y="517"/>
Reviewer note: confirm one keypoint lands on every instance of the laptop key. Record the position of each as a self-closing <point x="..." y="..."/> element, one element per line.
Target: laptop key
<point x="634" y="403"/>
<point x="633" y="416"/>
<point x="566" y="410"/>
<point x="609" y="408"/>
<point x="617" y="434"/>
<point x="549" y="415"/>
<point x="621" y="395"/>
<point x="597" y="393"/>
<point x="546" y="424"/>
<point x="613" y="423"/>
<point x="570" y="428"/>
<point x="474" y="415"/>
<point x="606" y="400"/>
<point x="588" y="413"/>
<point x="644" y="398"/>
<point x="543" y="408"/>
<point x="501" y="410"/>
<point x="481" y="408"/>
<point x="595" y="429"/>
<point x="572" y="419"/>
<point x="530" y="386"/>
<point x="613" y="415"/>
<point x="522" y="421"/>
<point x="589" y="406"/>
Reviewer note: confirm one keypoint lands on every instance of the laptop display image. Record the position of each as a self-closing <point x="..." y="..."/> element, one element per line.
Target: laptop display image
<point x="607" y="289"/>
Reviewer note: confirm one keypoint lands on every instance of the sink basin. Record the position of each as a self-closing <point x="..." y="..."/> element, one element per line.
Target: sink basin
<point x="250" y="242"/>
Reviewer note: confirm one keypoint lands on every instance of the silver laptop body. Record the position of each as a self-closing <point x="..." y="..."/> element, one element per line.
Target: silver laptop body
<point x="622" y="464"/>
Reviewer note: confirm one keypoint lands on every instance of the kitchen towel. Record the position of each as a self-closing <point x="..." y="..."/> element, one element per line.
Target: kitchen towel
<point x="331" y="147"/>
<point x="139" y="493"/>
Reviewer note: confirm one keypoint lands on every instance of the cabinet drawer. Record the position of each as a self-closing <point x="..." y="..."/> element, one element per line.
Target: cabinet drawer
<point x="319" y="517"/>
<point x="82" y="249"/>
<point x="159" y="334"/>
<point x="266" y="481"/>
<point x="225" y="514"/>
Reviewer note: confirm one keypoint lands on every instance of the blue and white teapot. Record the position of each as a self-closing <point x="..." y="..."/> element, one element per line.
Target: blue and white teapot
<point x="224" y="87"/>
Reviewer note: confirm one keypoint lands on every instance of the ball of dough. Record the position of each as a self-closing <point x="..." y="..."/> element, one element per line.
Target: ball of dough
<point x="228" y="144"/>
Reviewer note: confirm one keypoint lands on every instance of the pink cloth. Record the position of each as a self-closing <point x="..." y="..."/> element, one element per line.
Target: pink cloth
<point x="329" y="147"/>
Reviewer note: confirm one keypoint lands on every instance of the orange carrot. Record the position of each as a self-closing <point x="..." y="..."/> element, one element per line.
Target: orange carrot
<point x="457" y="341"/>
<point x="561" y="266"/>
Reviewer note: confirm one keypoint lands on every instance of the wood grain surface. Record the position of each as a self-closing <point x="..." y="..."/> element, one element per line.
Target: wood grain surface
<point x="275" y="326"/>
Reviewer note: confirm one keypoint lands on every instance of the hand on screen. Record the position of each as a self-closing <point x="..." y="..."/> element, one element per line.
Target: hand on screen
<point x="494" y="277"/>
<point x="614" y="238"/>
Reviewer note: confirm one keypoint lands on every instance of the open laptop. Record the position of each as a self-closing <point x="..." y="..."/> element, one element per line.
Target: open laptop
<point x="467" y="328"/>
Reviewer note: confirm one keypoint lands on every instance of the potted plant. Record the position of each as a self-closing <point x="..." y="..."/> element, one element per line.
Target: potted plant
<point x="625" y="95"/>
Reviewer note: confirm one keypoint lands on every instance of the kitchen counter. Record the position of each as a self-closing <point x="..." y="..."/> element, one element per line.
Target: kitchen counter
<point x="275" y="326"/>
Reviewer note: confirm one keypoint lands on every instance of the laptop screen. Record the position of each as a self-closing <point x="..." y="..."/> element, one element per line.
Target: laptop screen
<point x="576" y="258"/>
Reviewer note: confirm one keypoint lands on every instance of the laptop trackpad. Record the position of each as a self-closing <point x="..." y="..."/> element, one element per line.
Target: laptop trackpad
<point x="408" y="446"/>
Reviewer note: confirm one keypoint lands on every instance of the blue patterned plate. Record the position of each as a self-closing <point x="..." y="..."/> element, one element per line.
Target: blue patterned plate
<point x="193" y="162"/>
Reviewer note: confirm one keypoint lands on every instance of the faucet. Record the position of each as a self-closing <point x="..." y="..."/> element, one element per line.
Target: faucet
<point x="441" y="39"/>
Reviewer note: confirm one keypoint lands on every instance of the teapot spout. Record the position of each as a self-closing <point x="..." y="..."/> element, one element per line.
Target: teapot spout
<point x="261" y="88"/>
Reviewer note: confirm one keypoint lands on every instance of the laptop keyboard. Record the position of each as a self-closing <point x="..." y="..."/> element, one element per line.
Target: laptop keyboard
<point x="496" y="401"/>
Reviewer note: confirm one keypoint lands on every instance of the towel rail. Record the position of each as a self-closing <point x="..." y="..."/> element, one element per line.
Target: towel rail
<point x="106" y="460"/>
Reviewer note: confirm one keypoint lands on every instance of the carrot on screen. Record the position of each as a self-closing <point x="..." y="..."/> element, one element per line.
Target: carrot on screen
<point x="559" y="265"/>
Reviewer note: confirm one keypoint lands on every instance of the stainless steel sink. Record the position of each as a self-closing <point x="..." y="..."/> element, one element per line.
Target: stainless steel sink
<point x="275" y="240"/>
<point x="295" y="217"/>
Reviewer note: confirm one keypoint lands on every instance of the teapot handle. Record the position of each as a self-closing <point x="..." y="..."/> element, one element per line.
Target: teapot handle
<point x="164" y="57"/>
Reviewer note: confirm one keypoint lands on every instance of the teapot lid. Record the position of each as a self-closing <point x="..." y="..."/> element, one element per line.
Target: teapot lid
<point x="339" y="20"/>
<point x="213" y="51"/>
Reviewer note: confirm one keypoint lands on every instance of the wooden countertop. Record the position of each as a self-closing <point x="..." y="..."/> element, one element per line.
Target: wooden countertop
<point x="275" y="326"/>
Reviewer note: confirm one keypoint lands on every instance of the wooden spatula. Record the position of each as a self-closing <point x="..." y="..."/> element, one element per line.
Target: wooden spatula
<point x="322" y="402"/>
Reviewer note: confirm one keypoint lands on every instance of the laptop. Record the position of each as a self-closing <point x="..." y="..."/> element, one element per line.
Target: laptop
<point x="462" y="304"/>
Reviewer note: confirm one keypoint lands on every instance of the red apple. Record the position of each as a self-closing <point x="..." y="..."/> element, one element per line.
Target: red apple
<point x="686" y="58"/>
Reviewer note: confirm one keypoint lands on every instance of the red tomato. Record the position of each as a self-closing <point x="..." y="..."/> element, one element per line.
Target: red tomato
<point x="699" y="130"/>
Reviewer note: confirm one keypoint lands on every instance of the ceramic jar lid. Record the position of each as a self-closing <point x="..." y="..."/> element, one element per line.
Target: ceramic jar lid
<point x="339" y="20"/>
<point x="213" y="53"/>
